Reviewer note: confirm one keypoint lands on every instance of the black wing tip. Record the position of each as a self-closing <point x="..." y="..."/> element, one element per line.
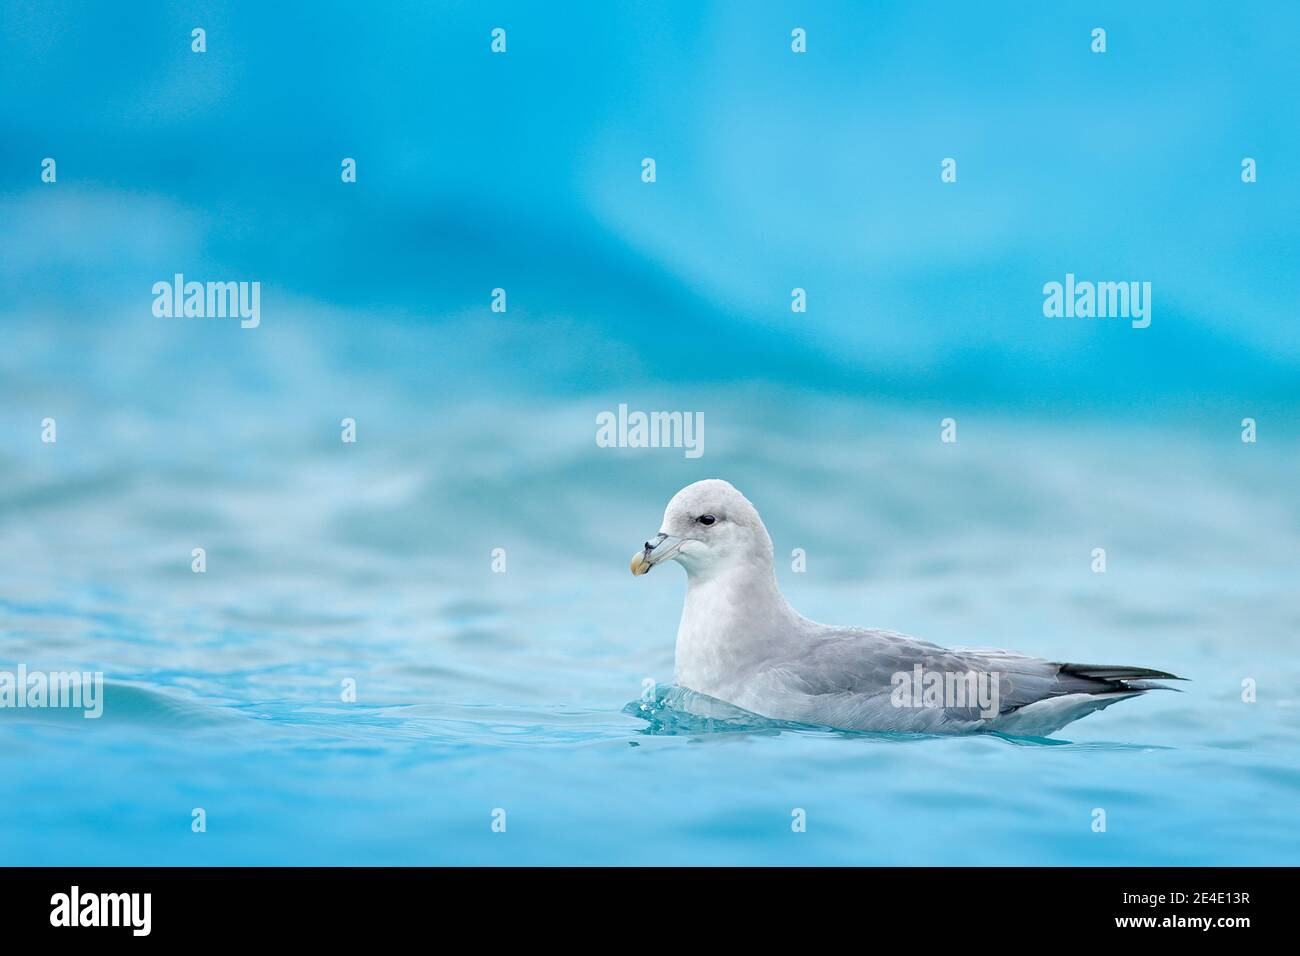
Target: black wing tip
<point x="1116" y="672"/>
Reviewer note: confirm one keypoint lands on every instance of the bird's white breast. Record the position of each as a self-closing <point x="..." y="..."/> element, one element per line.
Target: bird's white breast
<point x="732" y="625"/>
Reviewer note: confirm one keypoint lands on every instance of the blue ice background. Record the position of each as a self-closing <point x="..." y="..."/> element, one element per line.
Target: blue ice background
<point x="774" y="171"/>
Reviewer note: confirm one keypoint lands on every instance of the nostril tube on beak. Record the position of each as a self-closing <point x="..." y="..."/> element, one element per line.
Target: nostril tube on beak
<point x="652" y="552"/>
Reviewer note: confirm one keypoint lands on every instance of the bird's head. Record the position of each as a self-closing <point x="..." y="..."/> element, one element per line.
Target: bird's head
<point x="708" y="526"/>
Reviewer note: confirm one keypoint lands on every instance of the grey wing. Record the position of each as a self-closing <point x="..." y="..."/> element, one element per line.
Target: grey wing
<point x="865" y="662"/>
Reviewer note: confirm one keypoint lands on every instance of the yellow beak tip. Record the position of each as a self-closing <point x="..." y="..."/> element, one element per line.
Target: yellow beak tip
<point x="639" y="564"/>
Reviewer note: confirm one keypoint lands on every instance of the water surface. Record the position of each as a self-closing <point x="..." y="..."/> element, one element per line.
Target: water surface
<point x="522" y="690"/>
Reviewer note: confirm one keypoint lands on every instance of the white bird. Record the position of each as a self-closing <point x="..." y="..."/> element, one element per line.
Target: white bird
<point x="740" y="642"/>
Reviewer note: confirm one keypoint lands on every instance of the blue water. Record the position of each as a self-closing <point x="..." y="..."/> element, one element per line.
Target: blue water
<point x="522" y="690"/>
<point x="546" y="691"/>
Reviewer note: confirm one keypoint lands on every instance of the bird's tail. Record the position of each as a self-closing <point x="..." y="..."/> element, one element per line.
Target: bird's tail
<point x="1083" y="689"/>
<point x="1119" y="677"/>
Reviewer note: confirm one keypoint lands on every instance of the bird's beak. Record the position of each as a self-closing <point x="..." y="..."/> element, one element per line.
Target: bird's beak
<point x="663" y="547"/>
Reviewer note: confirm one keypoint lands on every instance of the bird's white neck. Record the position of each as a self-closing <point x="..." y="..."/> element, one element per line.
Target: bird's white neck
<point x="733" y="618"/>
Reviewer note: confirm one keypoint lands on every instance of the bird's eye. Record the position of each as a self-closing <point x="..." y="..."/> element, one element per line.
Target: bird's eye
<point x="706" y="519"/>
